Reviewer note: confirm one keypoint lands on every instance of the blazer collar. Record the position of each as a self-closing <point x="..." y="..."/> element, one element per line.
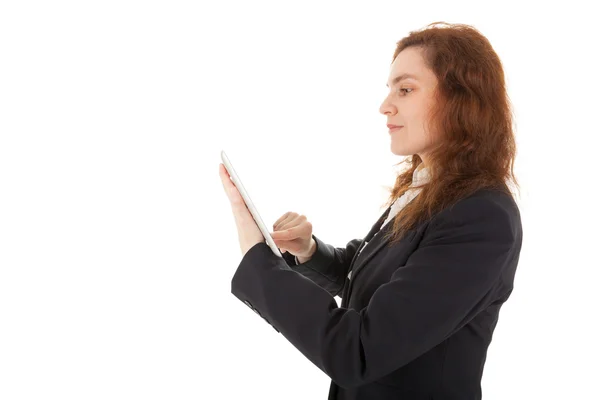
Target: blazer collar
<point x="376" y="236"/>
<point x="376" y="240"/>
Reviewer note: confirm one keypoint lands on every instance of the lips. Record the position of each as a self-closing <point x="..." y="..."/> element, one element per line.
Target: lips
<point x="394" y="128"/>
<point x="390" y="126"/>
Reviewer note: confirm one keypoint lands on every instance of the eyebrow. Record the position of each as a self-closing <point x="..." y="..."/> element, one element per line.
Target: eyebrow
<point x="402" y="77"/>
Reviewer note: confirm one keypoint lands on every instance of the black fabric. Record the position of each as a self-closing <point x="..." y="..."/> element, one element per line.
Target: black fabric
<point x="416" y="317"/>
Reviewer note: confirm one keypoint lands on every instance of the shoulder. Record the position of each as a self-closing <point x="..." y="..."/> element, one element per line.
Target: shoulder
<point x="486" y="210"/>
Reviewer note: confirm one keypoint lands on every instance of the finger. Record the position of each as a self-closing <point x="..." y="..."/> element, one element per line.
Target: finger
<point x="282" y="235"/>
<point x="280" y="219"/>
<point x="223" y="171"/>
<point x="283" y="230"/>
<point x="283" y="219"/>
<point x="294" y="232"/>
<point x="232" y="191"/>
<point x="225" y="179"/>
<point x="297" y="220"/>
<point x="299" y="230"/>
<point x="279" y="235"/>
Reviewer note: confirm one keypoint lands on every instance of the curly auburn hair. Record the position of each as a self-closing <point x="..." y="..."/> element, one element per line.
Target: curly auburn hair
<point x="476" y="147"/>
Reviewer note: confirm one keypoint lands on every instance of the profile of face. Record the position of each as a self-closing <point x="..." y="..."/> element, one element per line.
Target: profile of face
<point x="411" y="89"/>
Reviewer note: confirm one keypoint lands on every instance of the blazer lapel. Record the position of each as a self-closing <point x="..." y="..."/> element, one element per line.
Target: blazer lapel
<point x="369" y="238"/>
<point x="377" y="226"/>
<point x="376" y="243"/>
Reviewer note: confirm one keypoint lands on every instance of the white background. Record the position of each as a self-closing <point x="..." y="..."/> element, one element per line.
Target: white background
<point x="117" y="242"/>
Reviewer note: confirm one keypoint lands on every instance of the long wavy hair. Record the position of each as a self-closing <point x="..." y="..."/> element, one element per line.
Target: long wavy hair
<point x="472" y="114"/>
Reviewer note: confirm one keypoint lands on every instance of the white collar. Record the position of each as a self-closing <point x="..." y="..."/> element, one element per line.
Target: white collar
<point x="420" y="175"/>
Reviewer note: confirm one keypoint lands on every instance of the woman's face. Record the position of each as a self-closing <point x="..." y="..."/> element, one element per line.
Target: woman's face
<point x="408" y="102"/>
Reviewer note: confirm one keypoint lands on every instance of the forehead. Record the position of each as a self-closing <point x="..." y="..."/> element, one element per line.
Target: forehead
<point x="410" y="65"/>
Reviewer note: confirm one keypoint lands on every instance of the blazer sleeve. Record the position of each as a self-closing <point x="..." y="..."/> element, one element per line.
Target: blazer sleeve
<point x="329" y="265"/>
<point x="444" y="284"/>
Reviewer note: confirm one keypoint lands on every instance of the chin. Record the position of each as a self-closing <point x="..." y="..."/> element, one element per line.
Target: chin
<point x="401" y="152"/>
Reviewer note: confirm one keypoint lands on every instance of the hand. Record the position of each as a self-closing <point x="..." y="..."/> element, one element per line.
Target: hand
<point x="248" y="232"/>
<point x="293" y="233"/>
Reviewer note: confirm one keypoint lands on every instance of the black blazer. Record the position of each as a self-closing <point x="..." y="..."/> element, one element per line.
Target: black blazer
<point x="416" y="317"/>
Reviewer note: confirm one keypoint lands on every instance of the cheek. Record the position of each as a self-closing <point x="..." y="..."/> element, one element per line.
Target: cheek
<point x="411" y="138"/>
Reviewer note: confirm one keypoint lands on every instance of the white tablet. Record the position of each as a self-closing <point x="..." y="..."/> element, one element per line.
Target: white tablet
<point x="238" y="184"/>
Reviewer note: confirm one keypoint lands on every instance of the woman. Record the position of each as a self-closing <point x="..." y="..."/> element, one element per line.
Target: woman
<point x="421" y="300"/>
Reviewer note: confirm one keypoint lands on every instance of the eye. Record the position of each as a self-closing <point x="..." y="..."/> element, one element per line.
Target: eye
<point x="401" y="89"/>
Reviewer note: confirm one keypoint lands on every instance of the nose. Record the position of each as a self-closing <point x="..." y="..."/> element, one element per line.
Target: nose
<point x="387" y="108"/>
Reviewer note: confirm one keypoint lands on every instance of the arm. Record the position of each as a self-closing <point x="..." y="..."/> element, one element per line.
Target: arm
<point x="451" y="277"/>
<point x="328" y="266"/>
